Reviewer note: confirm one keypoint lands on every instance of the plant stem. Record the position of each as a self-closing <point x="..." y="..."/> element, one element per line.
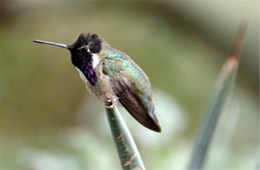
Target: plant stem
<point x="223" y="88"/>
<point x="126" y="148"/>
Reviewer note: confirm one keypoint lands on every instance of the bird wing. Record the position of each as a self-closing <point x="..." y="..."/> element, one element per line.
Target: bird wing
<point x="127" y="80"/>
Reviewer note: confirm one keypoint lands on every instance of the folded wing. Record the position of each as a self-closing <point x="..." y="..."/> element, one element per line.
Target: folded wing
<point x="131" y="93"/>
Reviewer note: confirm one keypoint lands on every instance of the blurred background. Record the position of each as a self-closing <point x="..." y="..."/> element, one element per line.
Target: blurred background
<point x="49" y="121"/>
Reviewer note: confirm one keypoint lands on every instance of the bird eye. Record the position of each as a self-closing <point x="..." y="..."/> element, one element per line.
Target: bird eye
<point x="84" y="49"/>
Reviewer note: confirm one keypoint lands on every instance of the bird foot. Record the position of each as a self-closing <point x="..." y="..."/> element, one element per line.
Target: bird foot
<point x="109" y="104"/>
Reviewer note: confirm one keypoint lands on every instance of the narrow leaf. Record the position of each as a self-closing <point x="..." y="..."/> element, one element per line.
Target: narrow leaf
<point x="223" y="87"/>
<point x="126" y="148"/>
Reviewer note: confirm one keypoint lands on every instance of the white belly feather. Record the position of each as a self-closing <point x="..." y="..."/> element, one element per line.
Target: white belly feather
<point x="95" y="60"/>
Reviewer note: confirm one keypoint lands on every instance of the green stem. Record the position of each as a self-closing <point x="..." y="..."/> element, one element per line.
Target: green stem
<point x="224" y="86"/>
<point x="126" y="148"/>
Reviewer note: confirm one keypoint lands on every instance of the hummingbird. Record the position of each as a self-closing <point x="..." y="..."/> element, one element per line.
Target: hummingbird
<point x="112" y="76"/>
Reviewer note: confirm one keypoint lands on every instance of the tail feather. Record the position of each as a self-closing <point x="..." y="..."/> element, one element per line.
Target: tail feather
<point x="137" y="110"/>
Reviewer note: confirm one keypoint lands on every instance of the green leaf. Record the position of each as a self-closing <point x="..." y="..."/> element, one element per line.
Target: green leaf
<point x="224" y="86"/>
<point x="126" y="148"/>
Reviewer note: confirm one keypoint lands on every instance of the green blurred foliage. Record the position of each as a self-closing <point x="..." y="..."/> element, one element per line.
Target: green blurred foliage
<point x="47" y="115"/>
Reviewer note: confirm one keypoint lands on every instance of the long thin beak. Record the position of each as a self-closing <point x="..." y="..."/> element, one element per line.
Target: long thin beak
<point x="51" y="43"/>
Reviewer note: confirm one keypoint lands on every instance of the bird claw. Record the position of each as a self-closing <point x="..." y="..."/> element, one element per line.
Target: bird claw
<point x="109" y="103"/>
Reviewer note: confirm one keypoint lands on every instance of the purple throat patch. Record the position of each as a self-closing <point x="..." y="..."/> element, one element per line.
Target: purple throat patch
<point x="89" y="72"/>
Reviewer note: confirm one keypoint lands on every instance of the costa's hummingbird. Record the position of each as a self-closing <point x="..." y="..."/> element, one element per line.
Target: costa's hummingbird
<point x="112" y="76"/>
